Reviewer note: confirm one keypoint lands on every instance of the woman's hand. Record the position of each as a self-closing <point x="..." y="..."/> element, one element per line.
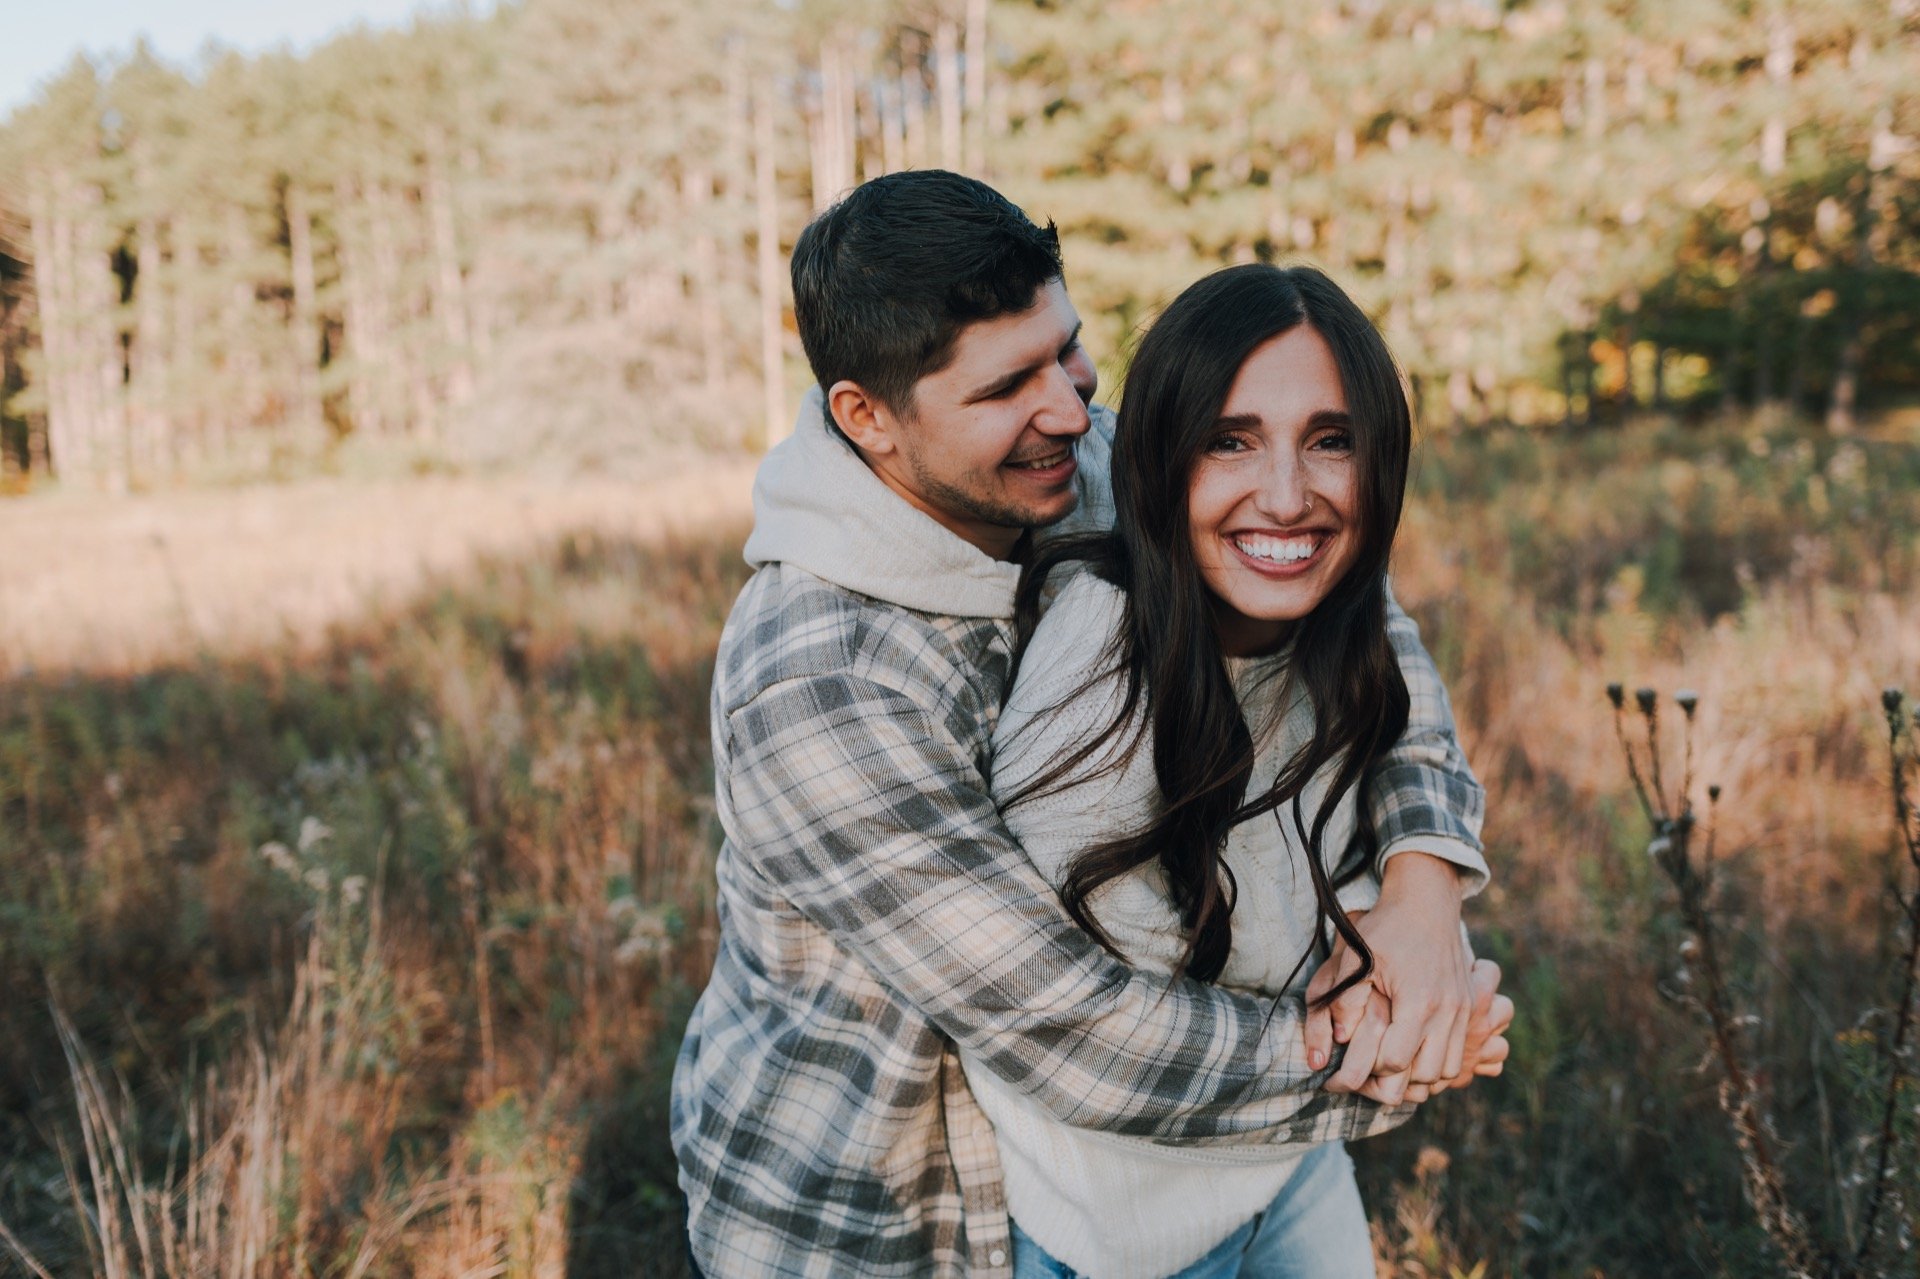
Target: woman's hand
<point x="1421" y="969"/>
<point x="1486" y="1046"/>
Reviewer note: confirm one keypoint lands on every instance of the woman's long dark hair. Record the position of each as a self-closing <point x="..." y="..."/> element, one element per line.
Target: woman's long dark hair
<point x="1169" y="652"/>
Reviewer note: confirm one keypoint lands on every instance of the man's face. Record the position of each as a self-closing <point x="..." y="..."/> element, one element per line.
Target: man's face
<point x="987" y="448"/>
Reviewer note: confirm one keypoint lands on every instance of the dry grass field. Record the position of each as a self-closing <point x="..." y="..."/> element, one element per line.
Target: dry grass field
<point x="355" y="851"/>
<point x="103" y="585"/>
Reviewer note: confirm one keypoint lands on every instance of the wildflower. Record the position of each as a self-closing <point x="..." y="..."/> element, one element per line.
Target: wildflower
<point x="1617" y="695"/>
<point x="278" y="856"/>
<point x="1688" y="699"/>
<point x="1660" y="847"/>
<point x="316" y="879"/>
<point x="352" y="889"/>
<point x="312" y="831"/>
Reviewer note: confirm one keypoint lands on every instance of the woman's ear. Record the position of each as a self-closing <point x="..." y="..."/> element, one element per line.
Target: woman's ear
<point x="863" y="419"/>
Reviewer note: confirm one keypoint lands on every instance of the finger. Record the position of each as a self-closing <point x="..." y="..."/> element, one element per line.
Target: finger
<point x="1318" y="1033"/>
<point x="1430" y="1062"/>
<point x="1454" y="1057"/>
<point x="1406" y="1030"/>
<point x="1417" y="1093"/>
<point x="1326" y="976"/>
<point x="1363" y="1049"/>
<point x="1456" y="1052"/>
<point x="1493" y="1059"/>
<point x="1393" y="1088"/>
<point x="1350" y="1008"/>
<point x="1500" y="1017"/>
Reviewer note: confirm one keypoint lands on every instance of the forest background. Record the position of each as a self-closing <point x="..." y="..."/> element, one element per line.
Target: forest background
<point x="377" y="424"/>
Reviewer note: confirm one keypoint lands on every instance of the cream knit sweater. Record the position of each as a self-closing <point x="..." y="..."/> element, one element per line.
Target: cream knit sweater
<point x="1110" y="1205"/>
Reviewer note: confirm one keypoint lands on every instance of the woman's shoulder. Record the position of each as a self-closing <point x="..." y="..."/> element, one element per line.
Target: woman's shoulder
<point x="1076" y="638"/>
<point x="1071" y="684"/>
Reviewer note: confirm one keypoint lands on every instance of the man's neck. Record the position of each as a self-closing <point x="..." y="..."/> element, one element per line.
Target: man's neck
<point x="994" y="540"/>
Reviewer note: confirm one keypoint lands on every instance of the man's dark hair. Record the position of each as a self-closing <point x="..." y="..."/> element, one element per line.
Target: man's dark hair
<point x="884" y="281"/>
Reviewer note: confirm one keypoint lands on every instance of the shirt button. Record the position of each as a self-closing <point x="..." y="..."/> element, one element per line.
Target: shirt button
<point x="998" y="1257"/>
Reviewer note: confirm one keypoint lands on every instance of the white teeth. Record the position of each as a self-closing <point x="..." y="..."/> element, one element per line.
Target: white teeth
<point x="1281" y="550"/>
<point x="1042" y="463"/>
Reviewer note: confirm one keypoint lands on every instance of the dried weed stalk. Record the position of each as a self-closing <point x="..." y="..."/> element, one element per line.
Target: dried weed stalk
<point x="1682" y="846"/>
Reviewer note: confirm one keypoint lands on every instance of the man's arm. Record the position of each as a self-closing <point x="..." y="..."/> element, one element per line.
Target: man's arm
<point x="855" y="803"/>
<point x="1422" y="795"/>
<point x="1426" y="807"/>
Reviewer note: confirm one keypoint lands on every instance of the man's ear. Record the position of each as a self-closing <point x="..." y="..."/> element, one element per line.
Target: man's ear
<point x="870" y="424"/>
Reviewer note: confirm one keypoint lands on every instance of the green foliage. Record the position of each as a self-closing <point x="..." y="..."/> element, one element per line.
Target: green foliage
<point x="529" y="238"/>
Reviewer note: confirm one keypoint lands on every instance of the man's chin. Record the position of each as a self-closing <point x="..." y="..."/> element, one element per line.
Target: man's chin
<point x="1054" y="515"/>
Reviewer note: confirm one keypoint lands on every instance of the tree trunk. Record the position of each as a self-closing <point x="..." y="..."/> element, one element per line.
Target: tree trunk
<point x="450" y="282"/>
<point x="976" y="123"/>
<point x="767" y="256"/>
<point x="704" y="276"/>
<point x="66" y="435"/>
<point x="1869" y="237"/>
<point x="239" y="341"/>
<point x="310" y="428"/>
<point x="362" y="340"/>
<point x="913" y="106"/>
<point x="946" y="73"/>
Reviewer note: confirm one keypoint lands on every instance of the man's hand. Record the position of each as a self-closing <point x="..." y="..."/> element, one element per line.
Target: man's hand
<point x="1484" y="1055"/>
<point x="1420" y="967"/>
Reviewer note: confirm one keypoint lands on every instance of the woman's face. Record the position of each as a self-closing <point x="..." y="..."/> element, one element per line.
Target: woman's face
<point x="1272" y="503"/>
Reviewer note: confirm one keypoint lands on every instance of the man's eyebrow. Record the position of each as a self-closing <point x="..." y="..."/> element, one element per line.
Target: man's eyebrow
<point x="1025" y="371"/>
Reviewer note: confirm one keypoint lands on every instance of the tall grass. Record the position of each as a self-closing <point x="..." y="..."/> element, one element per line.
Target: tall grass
<point x="359" y="963"/>
<point x="368" y="957"/>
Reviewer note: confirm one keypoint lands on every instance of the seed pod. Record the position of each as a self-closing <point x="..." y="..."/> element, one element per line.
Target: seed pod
<point x="1646" y="699"/>
<point x="1617" y="695"/>
<point x="1713" y="793"/>
<point x="1688" y="699"/>
<point x="1892" y="699"/>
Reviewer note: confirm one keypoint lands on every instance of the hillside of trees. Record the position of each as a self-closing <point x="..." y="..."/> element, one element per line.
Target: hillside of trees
<point x="561" y="229"/>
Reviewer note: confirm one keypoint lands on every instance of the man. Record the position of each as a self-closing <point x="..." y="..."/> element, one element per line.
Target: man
<point x="873" y="909"/>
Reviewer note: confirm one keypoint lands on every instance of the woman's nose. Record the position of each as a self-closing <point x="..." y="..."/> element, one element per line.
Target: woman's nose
<point x="1284" y="495"/>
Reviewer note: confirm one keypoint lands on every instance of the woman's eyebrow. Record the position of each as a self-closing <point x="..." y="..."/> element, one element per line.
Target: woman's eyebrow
<point x="1320" y="420"/>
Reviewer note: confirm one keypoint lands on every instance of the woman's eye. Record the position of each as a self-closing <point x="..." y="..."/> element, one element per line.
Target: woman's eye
<point x="1226" y="444"/>
<point x="1335" y="442"/>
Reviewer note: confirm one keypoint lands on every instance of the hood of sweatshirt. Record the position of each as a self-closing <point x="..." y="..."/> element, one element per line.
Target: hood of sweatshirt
<point x="818" y="507"/>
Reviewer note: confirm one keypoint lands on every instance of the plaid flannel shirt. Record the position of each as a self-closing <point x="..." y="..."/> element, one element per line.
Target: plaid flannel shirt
<point x="874" y="912"/>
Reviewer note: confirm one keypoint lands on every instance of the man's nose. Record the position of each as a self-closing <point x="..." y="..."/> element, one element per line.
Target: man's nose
<point x="1063" y="411"/>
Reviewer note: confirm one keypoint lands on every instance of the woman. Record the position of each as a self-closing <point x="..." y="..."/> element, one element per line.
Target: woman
<point x="1202" y="700"/>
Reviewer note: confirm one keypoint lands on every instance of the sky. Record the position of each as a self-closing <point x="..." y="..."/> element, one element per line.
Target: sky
<point x="38" y="38"/>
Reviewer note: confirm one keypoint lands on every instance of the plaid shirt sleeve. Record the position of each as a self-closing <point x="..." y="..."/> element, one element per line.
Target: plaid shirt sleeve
<point x="1422" y="795"/>
<point x="864" y="811"/>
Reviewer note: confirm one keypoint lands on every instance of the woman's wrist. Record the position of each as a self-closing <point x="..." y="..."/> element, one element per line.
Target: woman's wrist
<point x="1426" y="875"/>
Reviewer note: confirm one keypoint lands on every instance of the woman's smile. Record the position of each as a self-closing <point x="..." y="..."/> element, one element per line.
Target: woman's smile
<point x="1271" y="507"/>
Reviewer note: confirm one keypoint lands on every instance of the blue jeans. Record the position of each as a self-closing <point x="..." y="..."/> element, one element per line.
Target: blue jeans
<point x="1315" y="1228"/>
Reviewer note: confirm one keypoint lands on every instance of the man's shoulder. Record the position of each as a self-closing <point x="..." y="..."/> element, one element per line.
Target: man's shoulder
<point x="789" y="624"/>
